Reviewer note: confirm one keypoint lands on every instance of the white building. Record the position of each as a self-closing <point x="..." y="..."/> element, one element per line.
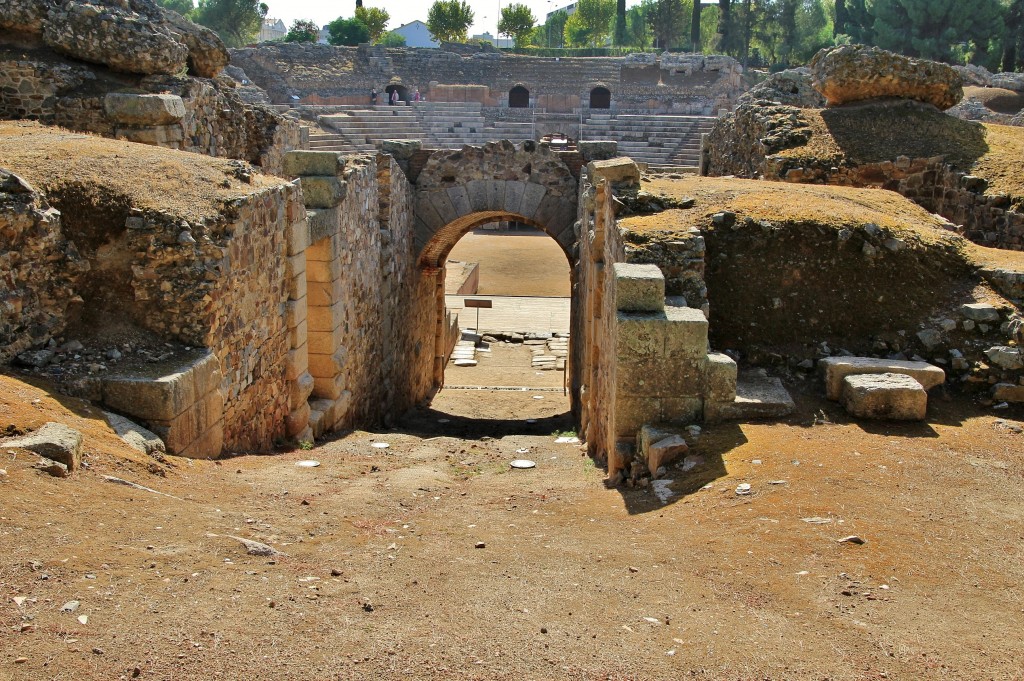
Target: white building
<point x="499" y="42"/>
<point x="568" y="9"/>
<point x="416" y="34"/>
<point x="271" y="29"/>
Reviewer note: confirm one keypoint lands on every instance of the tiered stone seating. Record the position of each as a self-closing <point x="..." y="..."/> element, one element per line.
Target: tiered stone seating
<point x="657" y="140"/>
<point x="449" y="125"/>
<point x="367" y="125"/>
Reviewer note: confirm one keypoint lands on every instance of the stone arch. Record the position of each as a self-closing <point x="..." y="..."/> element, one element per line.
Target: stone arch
<point x="600" y="98"/>
<point x="462" y="189"/>
<point x="519" y="97"/>
<point x="403" y="92"/>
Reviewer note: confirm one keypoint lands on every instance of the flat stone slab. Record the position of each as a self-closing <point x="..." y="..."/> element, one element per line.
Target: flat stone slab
<point x="884" y="396"/>
<point x="838" y="368"/>
<point x="756" y="398"/>
<point x="55" y="441"/>
<point x="465" y="362"/>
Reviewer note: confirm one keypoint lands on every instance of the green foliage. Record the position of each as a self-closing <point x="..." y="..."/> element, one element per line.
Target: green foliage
<point x="620" y="23"/>
<point x="517" y="22"/>
<point x="182" y="7"/>
<point x="375" y="19"/>
<point x="306" y="445"/>
<point x="349" y="32"/>
<point x="932" y="28"/>
<point x="555" y="28"/>
<point x="449" y="20"/>
<point x="638" y="31"/>
<point x="669" y="21"/>
<point x="303" y="31"/>
<point x="591" y="23"/>
<point x="1012" y="42"/>
<point x="237" y="22"/>
<point x="392" y="39"/>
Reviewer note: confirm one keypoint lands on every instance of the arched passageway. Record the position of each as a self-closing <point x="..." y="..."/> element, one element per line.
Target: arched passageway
<point x="403" y="93"/>
<point x="519" y="98"/>
<point x="600" y="98"/>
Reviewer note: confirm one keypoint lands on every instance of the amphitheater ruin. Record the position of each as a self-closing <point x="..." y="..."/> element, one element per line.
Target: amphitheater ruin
<point x="295" y="260"/>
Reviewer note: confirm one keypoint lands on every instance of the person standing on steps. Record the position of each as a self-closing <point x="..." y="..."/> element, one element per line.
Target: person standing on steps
<point x="394" y="97"/>
<point x="373" y="96"/>
<point x="416" y="95"/>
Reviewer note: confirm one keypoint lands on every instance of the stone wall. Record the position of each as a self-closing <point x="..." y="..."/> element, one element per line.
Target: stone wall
<point x="199" y="115"/>
<point x="39" y="268"/>
<point x="321" y="74"/>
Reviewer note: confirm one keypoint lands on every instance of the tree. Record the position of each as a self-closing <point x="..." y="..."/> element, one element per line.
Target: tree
<point x="695" y="26"/>
<point x="1013" y="36"/>
<point x="620" y="23"/>
<point x="303" y="31"/>
<point x="726" y="30"/>
<point x="554" y="28"/>
<point x="375" y="19"/>
<point x="593" y="18"/>
<point x="638" y="31"/>
<point x="349" y="32"/>
<point x="392" y="39"/>
<point x="449" y="20"/>
<point x="182" y="7"/>
<point x="517" y="22"/>
<point x="237" y="22"/>
<point x="853" y="20"/>
<point x="931" y="28"/>
<point x="667" y="19"/>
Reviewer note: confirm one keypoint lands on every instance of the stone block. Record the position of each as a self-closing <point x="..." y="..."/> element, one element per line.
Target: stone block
<point x="442" y="204"/>
<point x="329" y="387"/>
<point x="719" y="378"/>
<point x="1008" y="392"/>
<point x="458" y="197"/>
<point x="298" y="335"/>
<point x="296" y="362"/>
<point x="295" y="313"/>
<point x="323" y="192"/>
<point x="325" y="342"/>
<point x="207" y="445"/>
<point x="151" y="399"/>
<point x="682" y="410"/>
<point x="660" y="447"/>
<point x="686" y="336"/>
<point x="323" y="222"/>
<point x="328" y="366"/>
<point x="756" y="398"/>
<point x="299" y="390"/>
<point x="639" y="288"/>
<point x="597" y="150"/>
<point x="639" y="335"/>
<point x="533" y="194"/>
<point x="326" y="249"/>
<point x="884" y="396"/>
<point x="323" y="294"/>
<point x="322" y="163"/>
<point x="139" y="438"/>
<point x="297" y="236"/>
<point x="316" y="422"/>
<point x="631" y="413"/>
<point x="476" y="192"/>
<point x="514" y="191"/>
<point x="621" y="172"/>
<point x="54" y="441"/>
<point x="156" y="135"/>
<point x="326" y="317"/>
<point x="323" y="270"/>
<point x="148" y="110"/>
<point x="297" y="421"/>
<point x="295" y="265"/>
<point x="495" y="194"/>
<point x="980" y="312"/>
<point x="296" y="287"/>
<point x="838" y="368"/>
<point x="658" y="377"/>
<point x="1006" y="357"/>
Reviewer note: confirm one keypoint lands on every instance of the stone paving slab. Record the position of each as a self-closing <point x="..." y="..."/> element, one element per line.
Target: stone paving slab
<point x="514" y="313"/>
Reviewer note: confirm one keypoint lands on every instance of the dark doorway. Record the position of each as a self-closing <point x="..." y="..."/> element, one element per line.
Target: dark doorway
<point x="403" y="93"/>
<point x="519" y="98"/>
<point x="600" y="98"/>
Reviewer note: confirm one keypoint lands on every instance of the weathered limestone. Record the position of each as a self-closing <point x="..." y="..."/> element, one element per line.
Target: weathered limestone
<point x="756" y="398"/>
<point x="836" y="369"/>
<point x="884" y="396"/>
<point x="135" y="435"/>
<point x="54" y="441"/>
<point x="852" y="73"/>
<point x="659" y="448"/>
<point x="639" y="288"/>
<point x="132" y="109"/>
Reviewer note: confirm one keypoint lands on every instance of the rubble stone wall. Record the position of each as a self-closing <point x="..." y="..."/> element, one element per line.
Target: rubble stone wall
<point x="38" y="268"/>
<point x="328" y="75"/>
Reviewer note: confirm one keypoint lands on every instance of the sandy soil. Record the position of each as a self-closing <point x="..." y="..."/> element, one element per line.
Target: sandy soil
<point x="519" y="263"/>
<point x="383" y="577"/>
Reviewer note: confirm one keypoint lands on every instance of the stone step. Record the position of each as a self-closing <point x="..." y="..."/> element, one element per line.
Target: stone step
<point x="835" y="369"/>
<point x="756" y="398"/>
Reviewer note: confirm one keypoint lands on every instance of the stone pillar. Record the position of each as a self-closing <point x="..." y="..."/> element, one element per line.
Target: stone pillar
<point x="322" y="304"/>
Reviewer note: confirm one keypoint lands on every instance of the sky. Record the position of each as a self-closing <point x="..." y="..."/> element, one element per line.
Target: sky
<point x="485" y="12"/>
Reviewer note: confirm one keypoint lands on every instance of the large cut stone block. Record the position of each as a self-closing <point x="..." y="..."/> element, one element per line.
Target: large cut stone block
<point x="325" y="342"/>
<point x="323" y="192"/>
<point x="838" y="368"/>
<point x="329" y="388"/>
<point x="756" y="398"/>
<point x="129" y="109"/>
<point x="681" y="410"/>
<point x="328" y="366"/>
<point x="299" y="391"/>
<point x="719" y="377"/>
<point x="323" y="270"/>
<point x="687" y="334"/>
<point x="658" y="377"/>
<point x="621" y="172"/>
<point x="639" y="288"/>
<point x="660" y="447"/>
<point x="322" y="163"/>
<point x="297" y="234"/>
<point x="326" y="317"/>
<point x="296" y="362"/>
<point x="323" y="293"/>
<point x="297" y="421"/>
<point x="207" y="445"/>
<point x="159" y="399"/>
<point x="884" y="396"/>
<point x="54" y="441"/>
<point x="533" y="194"/>
<point x="639" y="335"/>
<point x="631" y="413"/>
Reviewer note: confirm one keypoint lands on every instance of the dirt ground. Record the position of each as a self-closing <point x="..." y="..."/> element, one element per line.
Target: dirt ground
<point x="432" y="559"/>
<point x="516" y="263"/>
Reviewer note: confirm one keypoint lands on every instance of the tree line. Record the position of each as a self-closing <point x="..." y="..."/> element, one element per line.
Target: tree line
<point x="766" y="33"/>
